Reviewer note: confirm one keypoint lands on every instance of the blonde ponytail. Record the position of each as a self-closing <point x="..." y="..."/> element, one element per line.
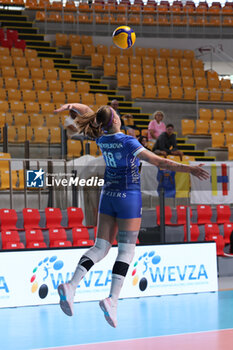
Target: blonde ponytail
<point x="87" y="124"/>
<point x="94" y="124"/>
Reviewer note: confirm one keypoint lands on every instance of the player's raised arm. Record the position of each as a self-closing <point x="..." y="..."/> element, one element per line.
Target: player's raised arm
<point x="163" y="163"/>
<point x="76" y="107"/>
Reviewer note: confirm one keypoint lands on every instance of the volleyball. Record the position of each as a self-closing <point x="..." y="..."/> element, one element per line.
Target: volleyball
<point x="124" y="37"/>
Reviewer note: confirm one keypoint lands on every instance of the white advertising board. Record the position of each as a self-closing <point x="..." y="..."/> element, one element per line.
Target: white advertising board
<point x="32" y="277"/>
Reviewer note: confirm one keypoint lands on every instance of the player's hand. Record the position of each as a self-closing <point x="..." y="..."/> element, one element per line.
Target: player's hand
<point x="199" y="172"/>
<point x="61" y="109"/>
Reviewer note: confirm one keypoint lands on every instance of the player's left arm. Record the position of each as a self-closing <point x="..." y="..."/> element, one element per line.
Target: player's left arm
<point x="76" y="107"/>
<point x="168" y="164"/>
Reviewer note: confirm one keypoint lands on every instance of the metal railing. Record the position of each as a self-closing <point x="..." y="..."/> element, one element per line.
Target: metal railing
<point x="153" y="23"/>
<point x="27" y="144"/>
<point x="26" y="165"/>
<point x="214" y="51"/>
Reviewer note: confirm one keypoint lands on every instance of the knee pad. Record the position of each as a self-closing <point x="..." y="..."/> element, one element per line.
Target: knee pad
<point x="99" y="250"/>
<point x="126" y="245"/>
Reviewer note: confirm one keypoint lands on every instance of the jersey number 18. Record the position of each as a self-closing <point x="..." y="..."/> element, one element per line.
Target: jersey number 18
<point x="109" y="158"/>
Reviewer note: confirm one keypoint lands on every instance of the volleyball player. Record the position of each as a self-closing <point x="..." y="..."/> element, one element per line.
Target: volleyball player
<point x="120" y="202"/>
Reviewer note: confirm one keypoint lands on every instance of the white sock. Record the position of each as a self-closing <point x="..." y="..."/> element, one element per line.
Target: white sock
<point x="92" y="256"/>
<point x="117" y="283"/>
<point x="126" y="248"/>
<point x="78" y="275"/>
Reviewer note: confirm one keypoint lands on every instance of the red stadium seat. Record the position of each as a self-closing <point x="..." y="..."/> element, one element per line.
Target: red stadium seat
<point x="9" y="236"/>
<point x="20" y="44"/>
<point x="53" y="217"/>
<point x="79" y="233"/>
<point x="84" y="243"/>
<point x="2" y="34"/>
<point x="8" y="218"/>
<point x="12" y="35"/>
<point x="204" y="214"/>
<point x="228" y="229"/>
<point x="11" y="245"/>
<point x="36" y="245"/>
<point x="181" y="214"/>
<point x="223" y="214"/>
<point x="195" y="232"/>
<point x="6" y="43"/>
<point x="211" y="232"/>
<point x="220" y="244"/>
<point x="57" y="234"/>
<point x="31" y="218"/>
<point x="168" y="215"/>
<point x="35" y="236"/>
<point x="75" y="217"/>
<point x="60" y="244"/>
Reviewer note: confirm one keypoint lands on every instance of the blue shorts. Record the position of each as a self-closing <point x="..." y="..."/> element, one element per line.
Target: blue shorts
<point x="122" y="205"/>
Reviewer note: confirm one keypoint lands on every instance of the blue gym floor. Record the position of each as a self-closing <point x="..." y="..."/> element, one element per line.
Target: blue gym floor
<point x="45" y="327"/>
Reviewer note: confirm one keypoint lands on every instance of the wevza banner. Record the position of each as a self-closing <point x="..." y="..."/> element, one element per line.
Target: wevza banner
<point x="32" y="277"/>
<point x="218" y="189"/>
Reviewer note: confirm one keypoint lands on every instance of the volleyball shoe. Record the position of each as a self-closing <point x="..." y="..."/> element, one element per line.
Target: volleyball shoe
<point x="66" y="293"/>
<point x="110" y="311"/>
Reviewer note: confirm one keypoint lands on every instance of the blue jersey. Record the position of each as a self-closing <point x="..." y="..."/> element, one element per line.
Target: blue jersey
<point x="122" y="165"/>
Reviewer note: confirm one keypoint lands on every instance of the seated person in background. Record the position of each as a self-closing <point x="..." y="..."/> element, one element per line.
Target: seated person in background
<point x="115" y="106"/>
<point x="143" y="141"/>
<point x="156" y="126"/>
<point x="166" y="143"/>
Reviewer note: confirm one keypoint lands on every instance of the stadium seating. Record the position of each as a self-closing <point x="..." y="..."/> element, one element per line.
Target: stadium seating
<point x="220" y="244"/>
<point x="212" y="122"/>
<point x="53" y="217"/>
<point x="31" y="218"/>
<point x="212" y="234"/>
<point x="218" y="139"/>
<point x="34" y="239"/>
<point x="223" y="214"/>
<point x="60" y="244"/>
<point x="187" y="126"/>
<point x="211" y="231"/>
<point x="83" y="243"/>
<point x="56" y="236"/>
<point x="169" y="74"/>
<point x="230" y="151"/>
<point x="9" y="237"/>
<point x="75" y="217"/>
<point x="8" y="219"/>
<point x="36" y="245"/>
<point x="13" y="245"/>
<point x="181" y="214"/>
<point x="168" y="215"/>
<point x="204" y="214"/>
<point x="228" y="229"/>
<point x="74" y="148"/>
<point x="194" y="231"/>
<point x="79" y="233"/>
